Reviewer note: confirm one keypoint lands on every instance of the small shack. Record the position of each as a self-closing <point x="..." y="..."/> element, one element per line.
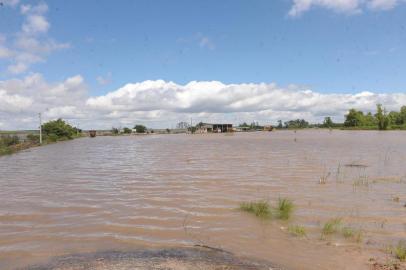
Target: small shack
<point x="214" y="128"/>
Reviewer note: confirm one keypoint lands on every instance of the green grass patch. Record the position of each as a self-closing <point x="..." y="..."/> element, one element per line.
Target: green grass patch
<point x="263" y="209"/>
<point x="400" y="251"/>
<point x="260" y="209"/>
<point x="331" y="226"/>
<point x="285" y="208"/>
<point x="297" y="230"/>
<point x="351" y="233"/>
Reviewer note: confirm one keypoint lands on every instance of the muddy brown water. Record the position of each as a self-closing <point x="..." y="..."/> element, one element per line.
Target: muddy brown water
<point x="168" y="191"/>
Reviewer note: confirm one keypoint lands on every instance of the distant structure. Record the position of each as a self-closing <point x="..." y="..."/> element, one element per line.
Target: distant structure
<point x="214" y="128"/>
<point x="92" y="133"/>
<point x="268" y="128"/>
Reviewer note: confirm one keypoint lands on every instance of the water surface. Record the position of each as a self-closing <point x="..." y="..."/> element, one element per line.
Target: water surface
<point x="131" y="192"/>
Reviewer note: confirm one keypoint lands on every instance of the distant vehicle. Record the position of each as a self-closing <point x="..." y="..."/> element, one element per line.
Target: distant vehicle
<point x="92" y="133"/>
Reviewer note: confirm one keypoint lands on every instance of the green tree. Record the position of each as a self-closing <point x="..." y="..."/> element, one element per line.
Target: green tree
<point x="279" y="124"/>
<point x="298" y="123"/>
<point x="354" y="118"/>
<point x="328" y="122"/>
<point x="395" y="118"/>
<point x="381" y="117"/>
<point x="58" y="129"/>
<point x="140" y="128"/>
<point x="127" y="130"/>
<point x="403" y="114"/>
<point x="115" y="130"/>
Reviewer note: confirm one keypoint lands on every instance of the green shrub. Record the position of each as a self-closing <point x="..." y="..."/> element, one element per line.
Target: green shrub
<point x="9" y="140"/>
<point x="58" y="129"/>
<point x="33" y="138"/>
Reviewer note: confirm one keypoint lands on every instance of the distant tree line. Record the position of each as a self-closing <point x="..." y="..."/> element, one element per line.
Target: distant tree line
<point x="127" y="130"/>
<point x="356" y="119"/>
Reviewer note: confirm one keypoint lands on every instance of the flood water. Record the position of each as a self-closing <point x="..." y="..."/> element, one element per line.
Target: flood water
<point x="130" y="192"/>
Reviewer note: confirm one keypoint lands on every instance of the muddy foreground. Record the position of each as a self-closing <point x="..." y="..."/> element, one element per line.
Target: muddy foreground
<point x="203" y="258"/>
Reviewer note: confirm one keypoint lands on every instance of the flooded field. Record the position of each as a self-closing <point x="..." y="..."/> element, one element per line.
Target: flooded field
<point x="165" y="191"/>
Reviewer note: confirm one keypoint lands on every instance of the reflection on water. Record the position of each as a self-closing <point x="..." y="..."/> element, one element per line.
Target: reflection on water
<point x="177" y="190"/>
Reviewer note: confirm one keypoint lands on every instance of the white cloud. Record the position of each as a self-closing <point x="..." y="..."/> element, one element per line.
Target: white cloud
<point x="35" y="24"/>
<point x="17" y="68"/>
<point x="163" y="104"/>
<point x="30" y="45"/>
<point x="11" y="3"/>
<point x="342" y="6"/>
<point x="5" y="52"/>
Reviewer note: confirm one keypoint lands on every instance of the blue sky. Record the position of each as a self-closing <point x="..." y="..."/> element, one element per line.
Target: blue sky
<point x="248" y="41"/>
<point x="343" y="47"/>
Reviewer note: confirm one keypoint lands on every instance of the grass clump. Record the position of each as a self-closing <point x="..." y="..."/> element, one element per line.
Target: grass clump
<point x="263" y="209"/>
<point x="355" y="234"/>
<point x="400" y="251"/>
<point x="331" y="226"/>
<point x="285" y="208"/>
<point x="297" y="230"/>
<point x="260" y="209"/>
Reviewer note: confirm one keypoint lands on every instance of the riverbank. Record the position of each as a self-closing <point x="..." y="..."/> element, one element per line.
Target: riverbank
<point x="11" y="145"/>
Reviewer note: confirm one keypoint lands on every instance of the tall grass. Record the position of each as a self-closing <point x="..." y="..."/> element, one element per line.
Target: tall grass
<point x="260" y="209"/>
<point x="351" y="233"/>
<point x="284" y="209"/>
<point x="331" y="226"/>
<point x="400" y="251"/>
<point x="263" y="209"/>
<point x="297" y="230"/>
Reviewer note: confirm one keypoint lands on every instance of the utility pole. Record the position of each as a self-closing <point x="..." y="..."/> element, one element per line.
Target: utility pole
<point x="40" y="128"/>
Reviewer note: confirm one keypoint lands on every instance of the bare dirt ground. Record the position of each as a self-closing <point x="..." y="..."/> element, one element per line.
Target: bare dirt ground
<point x="199" y="258"/>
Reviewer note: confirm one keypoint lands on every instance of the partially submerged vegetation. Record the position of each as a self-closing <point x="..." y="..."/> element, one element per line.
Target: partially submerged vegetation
<point x="260" y="209"/>
<point x="284" y="209"/>
<point x="263" y="209"/>
<point x="400" y="251"/>
<point x="331" y="227"/>
<point x="335" y="226"/>
<point x="297" y="230"/>
<point x="53" y="131"/>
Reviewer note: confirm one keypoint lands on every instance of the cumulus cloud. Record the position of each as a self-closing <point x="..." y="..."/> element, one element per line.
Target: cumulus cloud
<point x="163" y="104"/>
<point x="342" y="6"/>
<point x="31" y="44"/>
<point x="22" y="99"/>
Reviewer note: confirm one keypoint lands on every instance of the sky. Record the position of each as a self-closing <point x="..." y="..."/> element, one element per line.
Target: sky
<point x="100" y="64"/>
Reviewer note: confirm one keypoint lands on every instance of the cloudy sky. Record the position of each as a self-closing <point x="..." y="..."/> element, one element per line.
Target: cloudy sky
<point x="100" y="64"/>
